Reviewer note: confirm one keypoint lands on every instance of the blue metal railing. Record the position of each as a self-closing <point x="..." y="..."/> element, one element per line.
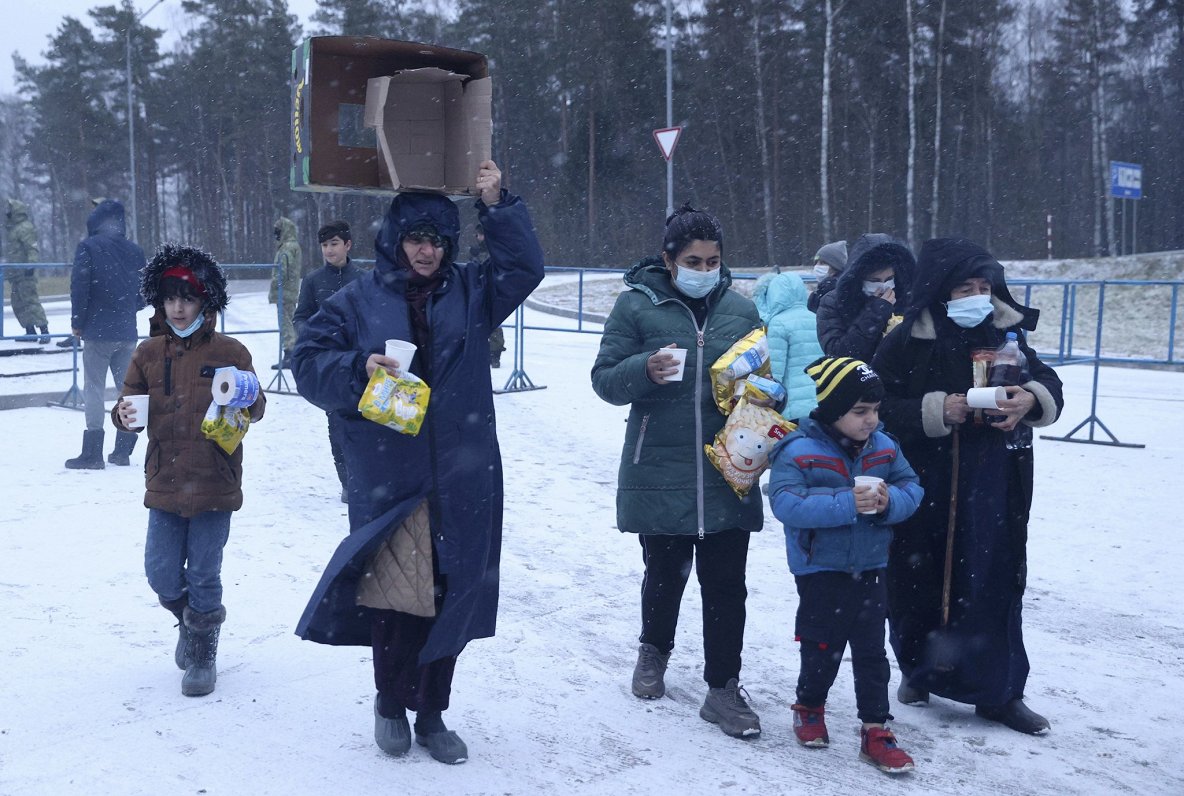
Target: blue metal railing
<point x="1063" y="321"/>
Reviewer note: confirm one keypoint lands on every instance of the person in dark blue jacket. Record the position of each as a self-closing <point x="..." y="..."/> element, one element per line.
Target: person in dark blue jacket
<point x="837" y="533"/>
<point x="435" y="495"/>
<point x="104" y="300"/>
<point x="339" y="270"/>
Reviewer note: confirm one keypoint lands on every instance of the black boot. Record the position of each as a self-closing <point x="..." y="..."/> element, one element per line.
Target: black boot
<point x="202" y="673"/>
<point x="44" y="335"/>
<point x="68" y="342"/>
<point x="125" y="442"/>
<point x="30" y="335"/>
<point x="182" y="654"/>
<point x="91" y="457"/>
<point x="1016" y="715"/>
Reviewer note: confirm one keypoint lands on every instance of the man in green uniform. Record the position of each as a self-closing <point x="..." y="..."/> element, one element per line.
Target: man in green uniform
<point x="287" y="270"/>
<point x="20" y="246"/>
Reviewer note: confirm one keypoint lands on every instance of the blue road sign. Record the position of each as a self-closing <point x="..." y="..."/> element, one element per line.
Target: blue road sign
<point x="1126" y="180"/>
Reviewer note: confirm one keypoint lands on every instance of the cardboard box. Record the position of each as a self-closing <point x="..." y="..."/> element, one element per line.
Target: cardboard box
<point x="378" y="116"/>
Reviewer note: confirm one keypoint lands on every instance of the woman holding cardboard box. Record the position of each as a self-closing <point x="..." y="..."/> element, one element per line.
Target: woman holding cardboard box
<point x="417" y="578"/>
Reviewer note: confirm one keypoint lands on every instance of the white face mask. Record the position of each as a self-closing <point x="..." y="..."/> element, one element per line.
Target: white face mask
<point x="821" y="270"/>
<point x="878" y="288"/>
<point x="970" y="311"/>
<point x="695" y="284"/>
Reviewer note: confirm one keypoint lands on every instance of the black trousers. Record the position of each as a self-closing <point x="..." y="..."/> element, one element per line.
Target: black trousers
<point x="397" y="639"/>
<point x="836" y="609"/>
<point x="720" y="559"/>
<point x="336" y="445"/>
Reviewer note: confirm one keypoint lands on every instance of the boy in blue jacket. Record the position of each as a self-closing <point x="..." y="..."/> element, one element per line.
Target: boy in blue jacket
<point x="836" y="539"/>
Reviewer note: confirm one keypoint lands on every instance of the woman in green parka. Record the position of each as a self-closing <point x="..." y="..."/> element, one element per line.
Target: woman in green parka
<point x="668" y="493"/>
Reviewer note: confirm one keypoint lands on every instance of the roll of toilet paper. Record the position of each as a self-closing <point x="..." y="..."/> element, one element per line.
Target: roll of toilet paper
<point x="235" y="388"/>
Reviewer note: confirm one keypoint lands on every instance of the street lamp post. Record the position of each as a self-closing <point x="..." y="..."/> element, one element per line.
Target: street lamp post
<point x="131" y="123"/>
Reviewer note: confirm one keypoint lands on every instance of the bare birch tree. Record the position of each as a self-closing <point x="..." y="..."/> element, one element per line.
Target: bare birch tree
<point x="910" y="178"/>
<point x="761" y="133"/>
<point x="939" y="58"/>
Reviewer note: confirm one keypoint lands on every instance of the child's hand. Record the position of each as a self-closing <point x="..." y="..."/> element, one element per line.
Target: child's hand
<point x="866" y="498"/>
<point x="126" y="412"/>
<point x="881" y="497"/>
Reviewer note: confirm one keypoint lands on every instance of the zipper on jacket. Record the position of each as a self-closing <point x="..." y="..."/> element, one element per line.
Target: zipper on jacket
<point x="699" y="499"/>
<point x="645" y="421"/>
<point x="168" y="375"/>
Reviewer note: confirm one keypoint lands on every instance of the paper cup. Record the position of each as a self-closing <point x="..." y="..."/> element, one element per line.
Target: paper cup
<point x="402" y="352"/>
<point x="871" y="482"/>
<point x="985" y="397"/>
<point x="680" y="356"/>
<point x="140" y="407"/>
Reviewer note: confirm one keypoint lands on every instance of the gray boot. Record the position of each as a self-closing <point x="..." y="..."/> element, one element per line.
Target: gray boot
<point x="727" y="708"/>
<point x="181" y="655"/>
<point x="125" y="443"/>
<point x="907" y="695"/>
<point x="393" y="736"/>
<point x="649" y="673"/>
<point x="202" y="673"/>
<point x="91" y="457"/>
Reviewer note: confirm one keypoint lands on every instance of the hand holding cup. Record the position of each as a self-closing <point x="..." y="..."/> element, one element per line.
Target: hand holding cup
<point x="871" y="494"/>
<point x="663" y="366"/>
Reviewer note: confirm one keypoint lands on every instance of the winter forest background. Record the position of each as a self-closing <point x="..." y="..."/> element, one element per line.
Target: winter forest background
<point x="805" y="121"/>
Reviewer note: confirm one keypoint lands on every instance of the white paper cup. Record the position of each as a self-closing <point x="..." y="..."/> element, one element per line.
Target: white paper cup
<point x="985" y="397"/>
<point x="140" y="407"/>
<point x="402" y="352"/>
<point x="869" y="481"/>
<point x="680" y="355"/>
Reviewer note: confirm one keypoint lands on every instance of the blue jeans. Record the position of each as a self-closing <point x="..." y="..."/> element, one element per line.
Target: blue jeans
<point x="185" y="556"/>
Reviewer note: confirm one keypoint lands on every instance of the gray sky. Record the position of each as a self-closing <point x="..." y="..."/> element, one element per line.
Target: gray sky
<point x="28" y="24"/>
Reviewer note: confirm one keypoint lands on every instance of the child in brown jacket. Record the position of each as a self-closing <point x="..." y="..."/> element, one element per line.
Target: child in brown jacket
<point x="192" y="484"/>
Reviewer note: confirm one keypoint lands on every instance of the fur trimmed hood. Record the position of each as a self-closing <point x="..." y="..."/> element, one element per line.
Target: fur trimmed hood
<point x="203" y="266"/>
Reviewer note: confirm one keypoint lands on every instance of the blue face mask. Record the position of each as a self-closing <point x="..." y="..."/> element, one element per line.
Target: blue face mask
<point x="970" y="311"/>
<point x="193" y="327"/>
<point x="695" y="284"/>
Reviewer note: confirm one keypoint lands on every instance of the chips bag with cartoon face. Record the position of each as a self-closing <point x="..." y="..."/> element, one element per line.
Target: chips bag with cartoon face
<point x="741" y="448"/>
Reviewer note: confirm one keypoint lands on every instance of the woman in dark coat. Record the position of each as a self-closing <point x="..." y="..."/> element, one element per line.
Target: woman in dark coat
<point x="668" y="493"/>
<point x="442" y="487"/>
<point x="870" y="293"/>
<point x="961" y="303"/>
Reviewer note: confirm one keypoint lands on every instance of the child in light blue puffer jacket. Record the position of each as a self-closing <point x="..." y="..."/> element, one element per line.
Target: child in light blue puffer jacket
<point x="793" y="338"/>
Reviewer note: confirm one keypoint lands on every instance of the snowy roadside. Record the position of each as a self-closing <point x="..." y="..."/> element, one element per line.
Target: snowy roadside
<point x="94" y="702"/>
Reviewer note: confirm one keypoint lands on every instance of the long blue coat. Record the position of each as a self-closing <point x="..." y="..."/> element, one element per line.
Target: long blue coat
<point x="454" y="461"/>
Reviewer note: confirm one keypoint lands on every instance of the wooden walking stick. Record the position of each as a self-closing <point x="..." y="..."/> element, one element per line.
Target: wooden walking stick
<point x="953" y="518"/>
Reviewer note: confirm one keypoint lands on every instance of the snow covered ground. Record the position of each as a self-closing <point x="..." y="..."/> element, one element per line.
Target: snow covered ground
<point x="92" y="700"/>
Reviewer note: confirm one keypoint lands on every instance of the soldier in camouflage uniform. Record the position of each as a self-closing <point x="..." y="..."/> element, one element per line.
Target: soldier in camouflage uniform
<point x="21" y="247"/>
<point x="288" y="263"/>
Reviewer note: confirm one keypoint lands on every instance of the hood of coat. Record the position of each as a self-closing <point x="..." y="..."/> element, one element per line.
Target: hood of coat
<point x="16" y="212"/>
<point x="287" y="229"/>
<point x="203" y="266"/>
<point x="650" y="276"/>
<point x="944" y="263"/>
<point x="871" y="253"/>
<point x="408" y="211"/>
<point x="107" y="219"/>
<point x="776" y="293"/>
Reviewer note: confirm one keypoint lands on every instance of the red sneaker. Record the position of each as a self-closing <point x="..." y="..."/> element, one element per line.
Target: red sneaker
<point x="877" y="745"/>
<point x="809" y="725"/>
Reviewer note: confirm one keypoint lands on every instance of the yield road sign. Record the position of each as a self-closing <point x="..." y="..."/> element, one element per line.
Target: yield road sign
<point x="667" y="139"/>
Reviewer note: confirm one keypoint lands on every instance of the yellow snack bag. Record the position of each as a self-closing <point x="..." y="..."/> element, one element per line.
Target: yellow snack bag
<point x="749" y="354"/>
<point x="741" y="448"/>
<point x="399" y="402"/>
<point x="225" y="425"/>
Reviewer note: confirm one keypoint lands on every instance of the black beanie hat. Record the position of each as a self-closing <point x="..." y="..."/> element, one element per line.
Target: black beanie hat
<point x="841" y="382"/>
